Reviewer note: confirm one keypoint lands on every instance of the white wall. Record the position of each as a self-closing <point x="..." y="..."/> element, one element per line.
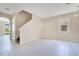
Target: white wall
<point x="50" y="29"/>
<point x="31" y="30"/>
<point x="13" y="28"/>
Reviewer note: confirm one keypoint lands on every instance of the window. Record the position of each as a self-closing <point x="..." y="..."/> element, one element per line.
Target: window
<point x="63" y="25"/>
<point x="63" y="28"/>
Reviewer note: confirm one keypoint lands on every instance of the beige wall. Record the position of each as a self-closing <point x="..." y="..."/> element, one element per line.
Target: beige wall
<point x="2" y="14"/>
<point x="2" y="28"/>
<point x="31" y="30"/>
<point x="50" y="29"/>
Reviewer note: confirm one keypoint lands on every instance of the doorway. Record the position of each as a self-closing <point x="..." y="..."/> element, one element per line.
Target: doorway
<point x="5" y="42"/>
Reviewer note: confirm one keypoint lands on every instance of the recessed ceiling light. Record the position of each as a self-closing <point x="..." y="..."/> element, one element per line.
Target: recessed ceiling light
<point x="68" y="3"/>
<point x="7" y="9"/>
<point x="75" y="15"/>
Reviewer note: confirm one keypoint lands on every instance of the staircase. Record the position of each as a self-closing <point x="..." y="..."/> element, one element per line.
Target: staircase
<point x="31" y="30"/>
<point x="21" y="19"/>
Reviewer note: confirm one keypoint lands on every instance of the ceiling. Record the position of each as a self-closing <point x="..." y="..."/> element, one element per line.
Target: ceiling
<point x="42" y="10"/>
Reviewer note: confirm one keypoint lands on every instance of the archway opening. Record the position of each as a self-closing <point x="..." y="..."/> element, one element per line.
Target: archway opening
<point x="5" y="34"/>
<point x="4" y="26"/>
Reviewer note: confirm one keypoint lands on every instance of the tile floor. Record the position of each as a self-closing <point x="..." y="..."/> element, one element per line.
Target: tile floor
<point x="42" y="47"/>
